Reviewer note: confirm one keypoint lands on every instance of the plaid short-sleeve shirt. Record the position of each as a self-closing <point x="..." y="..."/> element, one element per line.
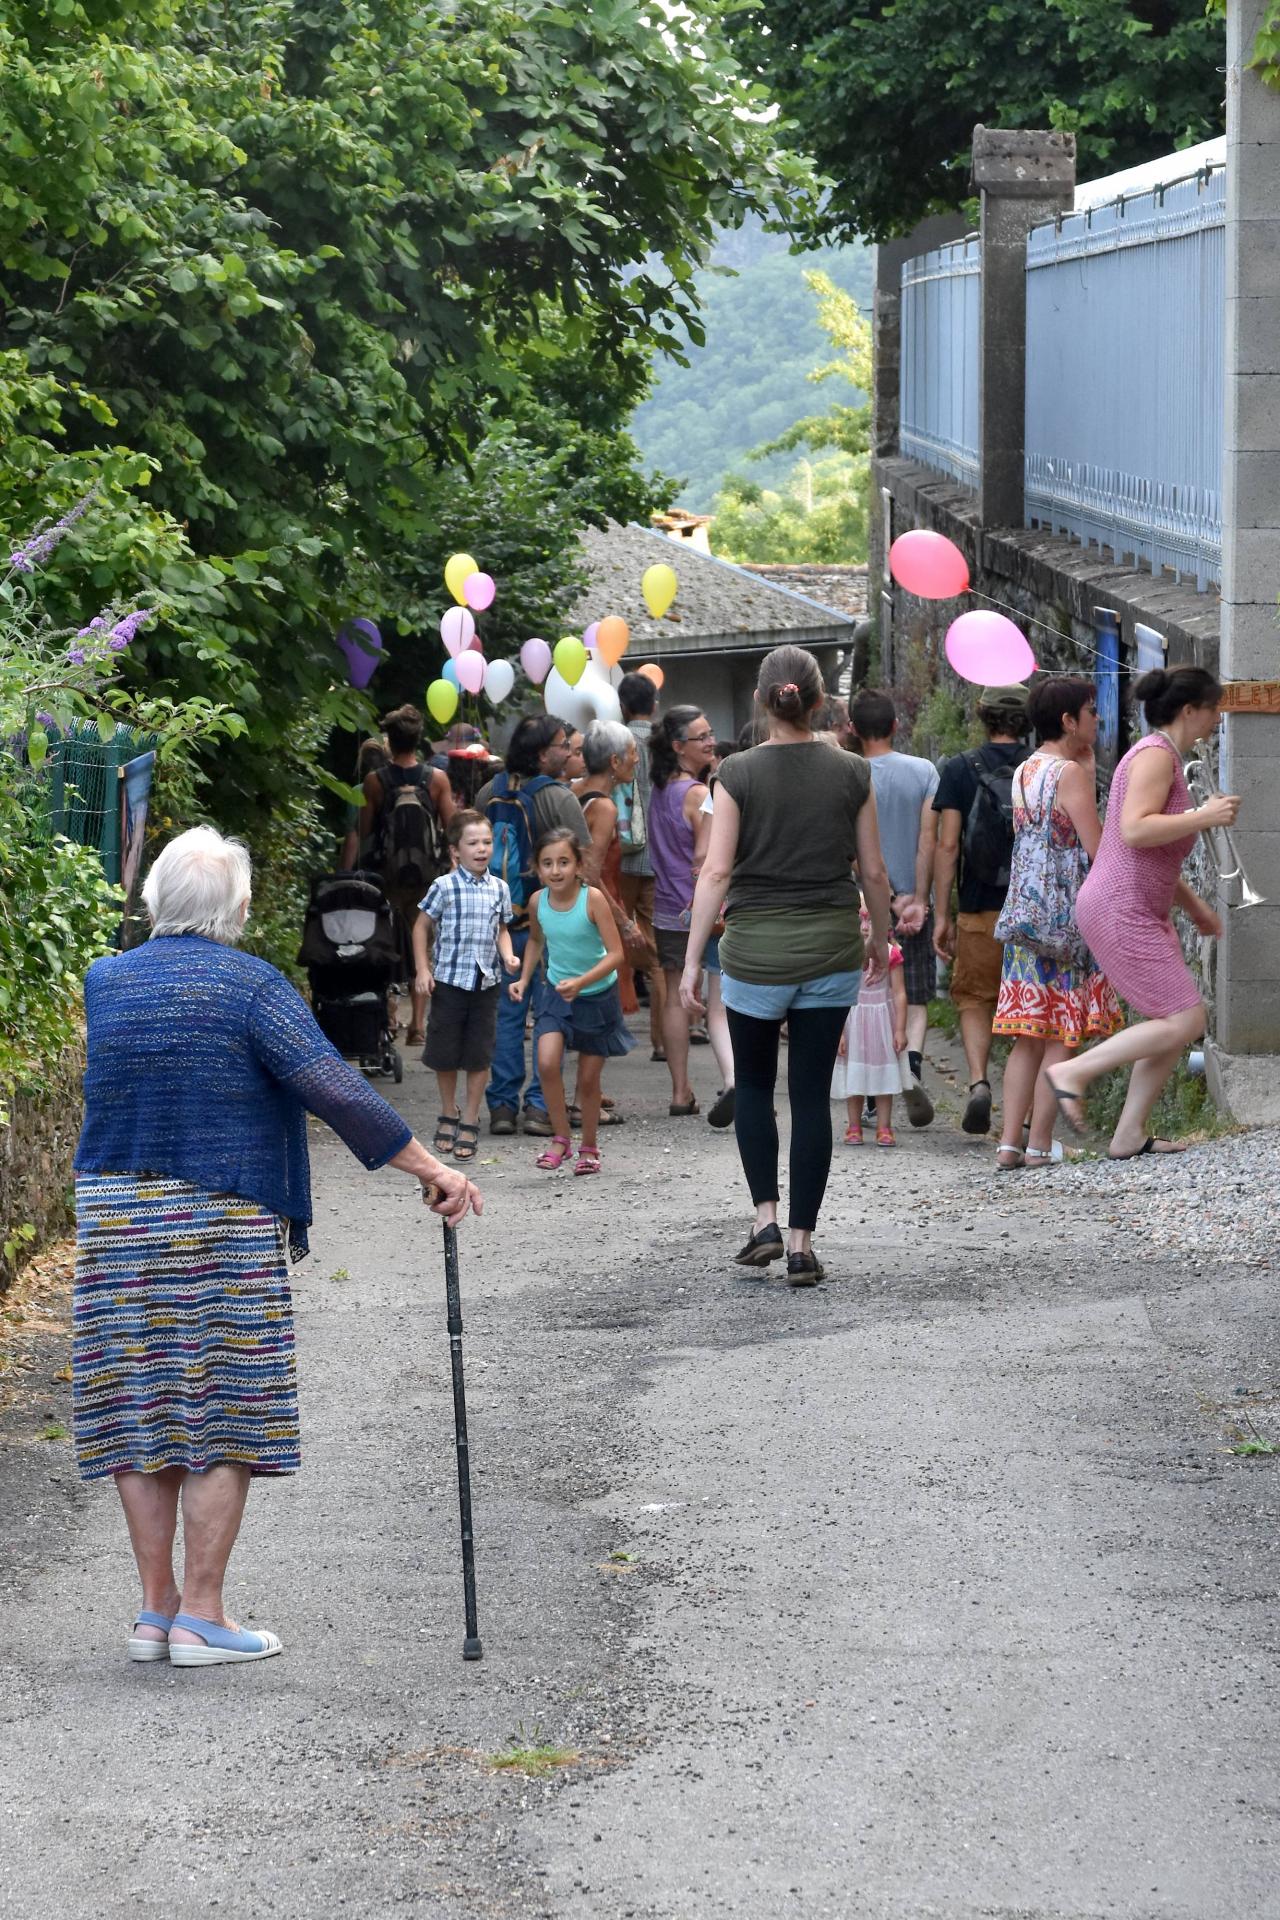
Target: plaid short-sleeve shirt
<point x="466" y="912"/>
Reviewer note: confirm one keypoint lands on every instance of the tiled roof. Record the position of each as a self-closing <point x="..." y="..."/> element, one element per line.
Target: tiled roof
<point x="718" y="608"/>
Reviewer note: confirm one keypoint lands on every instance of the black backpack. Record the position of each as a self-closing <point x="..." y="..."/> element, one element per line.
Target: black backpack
<point x="412" y="849"/>
<point x="987" y="842"/>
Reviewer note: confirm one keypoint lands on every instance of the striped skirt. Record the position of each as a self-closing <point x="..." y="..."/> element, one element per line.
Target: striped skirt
<point x="182" y="1348"/>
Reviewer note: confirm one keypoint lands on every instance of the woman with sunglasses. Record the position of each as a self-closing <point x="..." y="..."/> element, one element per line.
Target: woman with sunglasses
<point x="1052" y="996"/>
<point x="682" y="747"/>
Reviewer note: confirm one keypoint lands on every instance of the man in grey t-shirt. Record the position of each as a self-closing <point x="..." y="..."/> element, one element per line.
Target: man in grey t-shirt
<point x="904" y="789"/>
<point x="638" y="697"/>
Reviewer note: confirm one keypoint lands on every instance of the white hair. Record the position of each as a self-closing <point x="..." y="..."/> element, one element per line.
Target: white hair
<point x="200" y="884"/>
<point x="603" y="741"/>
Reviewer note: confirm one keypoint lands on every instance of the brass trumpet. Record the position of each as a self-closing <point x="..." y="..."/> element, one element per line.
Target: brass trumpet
<point x="1220" y="842"/>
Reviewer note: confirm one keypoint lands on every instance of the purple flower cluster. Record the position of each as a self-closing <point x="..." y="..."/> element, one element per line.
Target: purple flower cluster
<point x="38" y="546"/>
<point x="105" y="634"/>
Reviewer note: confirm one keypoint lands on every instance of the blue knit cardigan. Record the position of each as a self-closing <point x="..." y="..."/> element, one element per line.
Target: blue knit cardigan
<point x="203" y="1064"/>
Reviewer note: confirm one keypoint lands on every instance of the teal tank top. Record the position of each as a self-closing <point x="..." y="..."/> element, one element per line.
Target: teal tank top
<point x="573" y="943"/>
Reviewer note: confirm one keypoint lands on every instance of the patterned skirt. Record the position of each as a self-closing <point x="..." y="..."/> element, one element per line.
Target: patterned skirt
<point x="182" y="1347"/>
<point x="1039" y="1000"/>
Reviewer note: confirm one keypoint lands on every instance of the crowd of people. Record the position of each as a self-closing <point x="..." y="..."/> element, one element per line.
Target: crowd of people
<point x="800" y="883"/>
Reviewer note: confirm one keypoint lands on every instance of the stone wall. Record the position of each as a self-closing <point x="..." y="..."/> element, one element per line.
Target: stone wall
<point x="36" y="1150"/>
<point x="1041" y="577"/>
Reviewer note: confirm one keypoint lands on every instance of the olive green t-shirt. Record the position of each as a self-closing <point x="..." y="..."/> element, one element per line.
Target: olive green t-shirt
<point x="792" y="907"/>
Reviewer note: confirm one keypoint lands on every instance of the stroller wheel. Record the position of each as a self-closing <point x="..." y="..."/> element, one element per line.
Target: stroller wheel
<point x="397" y="1066"/>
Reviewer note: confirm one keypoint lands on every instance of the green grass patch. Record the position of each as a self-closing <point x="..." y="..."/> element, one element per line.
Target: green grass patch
<point x="534" y="1761"/>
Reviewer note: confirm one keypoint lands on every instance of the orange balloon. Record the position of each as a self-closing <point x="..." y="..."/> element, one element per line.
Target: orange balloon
<point x="613" y="636"/>
<point x="652" y="671"/>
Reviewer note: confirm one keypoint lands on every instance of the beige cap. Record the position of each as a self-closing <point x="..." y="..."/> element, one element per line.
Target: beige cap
<point x="1003" y="700"/>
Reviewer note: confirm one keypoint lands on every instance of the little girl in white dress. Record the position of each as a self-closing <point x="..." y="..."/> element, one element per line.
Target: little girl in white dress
<point x="872" y="1062"/>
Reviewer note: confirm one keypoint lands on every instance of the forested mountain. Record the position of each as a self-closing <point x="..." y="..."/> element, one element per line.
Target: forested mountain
<point x="748" y="383"/>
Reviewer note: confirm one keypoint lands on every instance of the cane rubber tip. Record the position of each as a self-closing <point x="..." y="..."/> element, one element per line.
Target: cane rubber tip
<point x="472" y="1650"/>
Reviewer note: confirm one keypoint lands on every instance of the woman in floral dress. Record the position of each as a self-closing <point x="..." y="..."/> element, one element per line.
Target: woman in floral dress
<point x="1052" y="996"/>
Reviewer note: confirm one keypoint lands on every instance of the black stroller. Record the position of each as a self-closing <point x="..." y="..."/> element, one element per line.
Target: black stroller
<point x="351" y="950"/>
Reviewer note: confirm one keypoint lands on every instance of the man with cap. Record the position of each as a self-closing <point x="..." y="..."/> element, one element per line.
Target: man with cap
<point x="974" y="804"/>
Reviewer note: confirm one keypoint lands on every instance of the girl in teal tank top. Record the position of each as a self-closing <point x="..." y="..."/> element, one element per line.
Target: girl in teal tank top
<point x="576" y="1002"/>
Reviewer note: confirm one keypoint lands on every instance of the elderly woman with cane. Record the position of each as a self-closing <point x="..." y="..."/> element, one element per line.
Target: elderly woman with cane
<point x="792" y="817"/>
<point x="191" y="1182"/>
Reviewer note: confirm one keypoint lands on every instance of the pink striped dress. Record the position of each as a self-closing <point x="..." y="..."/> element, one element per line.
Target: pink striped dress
<point x="1123" y="908"/>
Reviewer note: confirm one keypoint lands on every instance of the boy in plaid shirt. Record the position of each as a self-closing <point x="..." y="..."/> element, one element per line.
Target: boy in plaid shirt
<point x="465" y="914"/>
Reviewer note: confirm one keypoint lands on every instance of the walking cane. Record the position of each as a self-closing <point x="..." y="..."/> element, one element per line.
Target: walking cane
<point x="471" y="1648"/>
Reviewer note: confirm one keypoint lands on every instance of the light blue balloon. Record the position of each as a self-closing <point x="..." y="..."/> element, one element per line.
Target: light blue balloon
<point x="449" y="672"/>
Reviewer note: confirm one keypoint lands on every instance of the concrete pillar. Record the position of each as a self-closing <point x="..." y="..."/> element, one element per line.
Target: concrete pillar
<point x="1025" y="178"/>
<point x="1247" y="1009"/>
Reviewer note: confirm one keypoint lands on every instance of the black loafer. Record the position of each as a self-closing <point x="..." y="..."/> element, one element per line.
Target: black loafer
<point x="804" y="1270"/>
<point x="761" y="1248"/>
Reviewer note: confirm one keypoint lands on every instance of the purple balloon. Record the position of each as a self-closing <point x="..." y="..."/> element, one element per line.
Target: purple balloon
<point x="589" y="637"/>
<point x="535" y="658"/>
<point x="361" y="644"/>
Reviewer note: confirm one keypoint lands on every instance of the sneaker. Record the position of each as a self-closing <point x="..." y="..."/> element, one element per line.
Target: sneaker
<point x="502" y="1120"/>
<point x="536" y="1120"/>
<point x="804" y="1270"/>
<point x="918" y="1105"/>
<point x="721" y="1114"/>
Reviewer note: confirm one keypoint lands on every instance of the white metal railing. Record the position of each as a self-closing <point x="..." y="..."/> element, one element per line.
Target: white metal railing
<point x="1124" y="397"/>
<point x="938" y="391"/>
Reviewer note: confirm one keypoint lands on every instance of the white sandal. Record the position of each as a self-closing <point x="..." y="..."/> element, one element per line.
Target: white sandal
<point x="1010" y="1166"/>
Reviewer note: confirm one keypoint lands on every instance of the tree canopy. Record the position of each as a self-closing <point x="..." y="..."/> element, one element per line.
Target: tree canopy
<point x="341" y="284"/>
<point x="885" y="93"/>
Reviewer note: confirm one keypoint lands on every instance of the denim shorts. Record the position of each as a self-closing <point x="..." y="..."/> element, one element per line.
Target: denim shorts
<point x="776" y="1002"/>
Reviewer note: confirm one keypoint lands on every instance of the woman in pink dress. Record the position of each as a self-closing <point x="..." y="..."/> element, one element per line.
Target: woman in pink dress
<point x="1123" y="909"/>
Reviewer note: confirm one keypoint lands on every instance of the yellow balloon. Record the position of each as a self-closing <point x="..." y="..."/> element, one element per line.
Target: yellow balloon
<point x="659" y="588"/>
<point x="457" y="569"/>
<point x="570" y="658"/>
<point x="442" y="701"/>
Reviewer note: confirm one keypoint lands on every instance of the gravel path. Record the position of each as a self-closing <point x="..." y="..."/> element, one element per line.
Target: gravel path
<point x="934" y="1591"/>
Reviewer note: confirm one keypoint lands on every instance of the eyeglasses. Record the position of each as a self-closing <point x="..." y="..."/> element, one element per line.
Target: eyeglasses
<point x="699" y="739"/>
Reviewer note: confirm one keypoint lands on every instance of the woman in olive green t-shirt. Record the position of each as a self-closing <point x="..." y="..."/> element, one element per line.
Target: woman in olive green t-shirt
<point x="791" y="819"/>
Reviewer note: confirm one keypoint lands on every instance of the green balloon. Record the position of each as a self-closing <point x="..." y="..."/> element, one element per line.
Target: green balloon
<point x="570" y="657"/>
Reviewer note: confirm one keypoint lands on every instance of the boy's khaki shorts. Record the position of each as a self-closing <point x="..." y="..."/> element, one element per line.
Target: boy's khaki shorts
<point x="975" y="977"/>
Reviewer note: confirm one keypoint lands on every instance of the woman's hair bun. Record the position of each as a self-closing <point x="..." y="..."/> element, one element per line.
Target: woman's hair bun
<point x="1152" y="684"/>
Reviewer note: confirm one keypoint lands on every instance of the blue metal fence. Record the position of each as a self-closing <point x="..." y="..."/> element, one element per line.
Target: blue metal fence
<point x="1125" y="312"/>
<point x="939" y="369"/>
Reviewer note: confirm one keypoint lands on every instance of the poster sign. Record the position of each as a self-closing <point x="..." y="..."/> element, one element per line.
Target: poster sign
<point x="135" y="798"/>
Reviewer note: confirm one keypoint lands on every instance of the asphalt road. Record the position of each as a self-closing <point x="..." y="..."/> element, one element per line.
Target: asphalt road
<point x="931" y="1592"/>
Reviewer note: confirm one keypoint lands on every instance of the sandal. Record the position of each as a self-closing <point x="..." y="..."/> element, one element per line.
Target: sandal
<point x="1010" y="1166"/>
<point x="1066" y="1100"/>
<point x="416" y="1037"/>
<point x="680" y="1109"/>
<point x="884" y="1137"/>
<point x="853" y="1136"/>
<point x="554" y="1154"/>
<point x="446" y="1132"/>
<point x="588" y="1160"/>
<point x="1149" y="1145"/>
<point x="609" y="1117"/>
<point x="466" y="1149"/>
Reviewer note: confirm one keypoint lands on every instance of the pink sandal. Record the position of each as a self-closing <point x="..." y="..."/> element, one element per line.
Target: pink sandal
<point x="555" y="1154"/>
<point x="588" y="1160"/>
<point x="853" y="1136"/>
<point x="884" y="1137"/>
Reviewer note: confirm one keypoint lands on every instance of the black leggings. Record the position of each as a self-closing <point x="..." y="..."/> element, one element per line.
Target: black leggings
<point x="813" y="1040"/>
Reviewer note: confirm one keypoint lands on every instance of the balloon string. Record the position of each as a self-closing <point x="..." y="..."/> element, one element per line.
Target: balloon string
<point x="1031" y="621"/>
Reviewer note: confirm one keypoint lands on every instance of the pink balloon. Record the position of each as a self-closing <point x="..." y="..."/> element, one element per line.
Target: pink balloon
<point x="589" y="637"/>
<point x="986" y="647"/>
<point x="478" y="590"/>
<point x="457" y="630"/>
<point x="535" y="658"/>
<point x="470" y="671"/>
<point x="928" y="565"/>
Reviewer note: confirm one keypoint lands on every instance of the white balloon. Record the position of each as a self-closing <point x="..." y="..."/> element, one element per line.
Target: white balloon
<point x="499" y="678"/>
<point x="604" y="700"/>
<point x="573" y="705"/>
<point x="617" y="675"/>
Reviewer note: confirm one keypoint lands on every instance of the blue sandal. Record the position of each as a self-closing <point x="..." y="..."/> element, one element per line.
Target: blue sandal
<point x="150" y="1649"/>
<point x="221" y="1644"/>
